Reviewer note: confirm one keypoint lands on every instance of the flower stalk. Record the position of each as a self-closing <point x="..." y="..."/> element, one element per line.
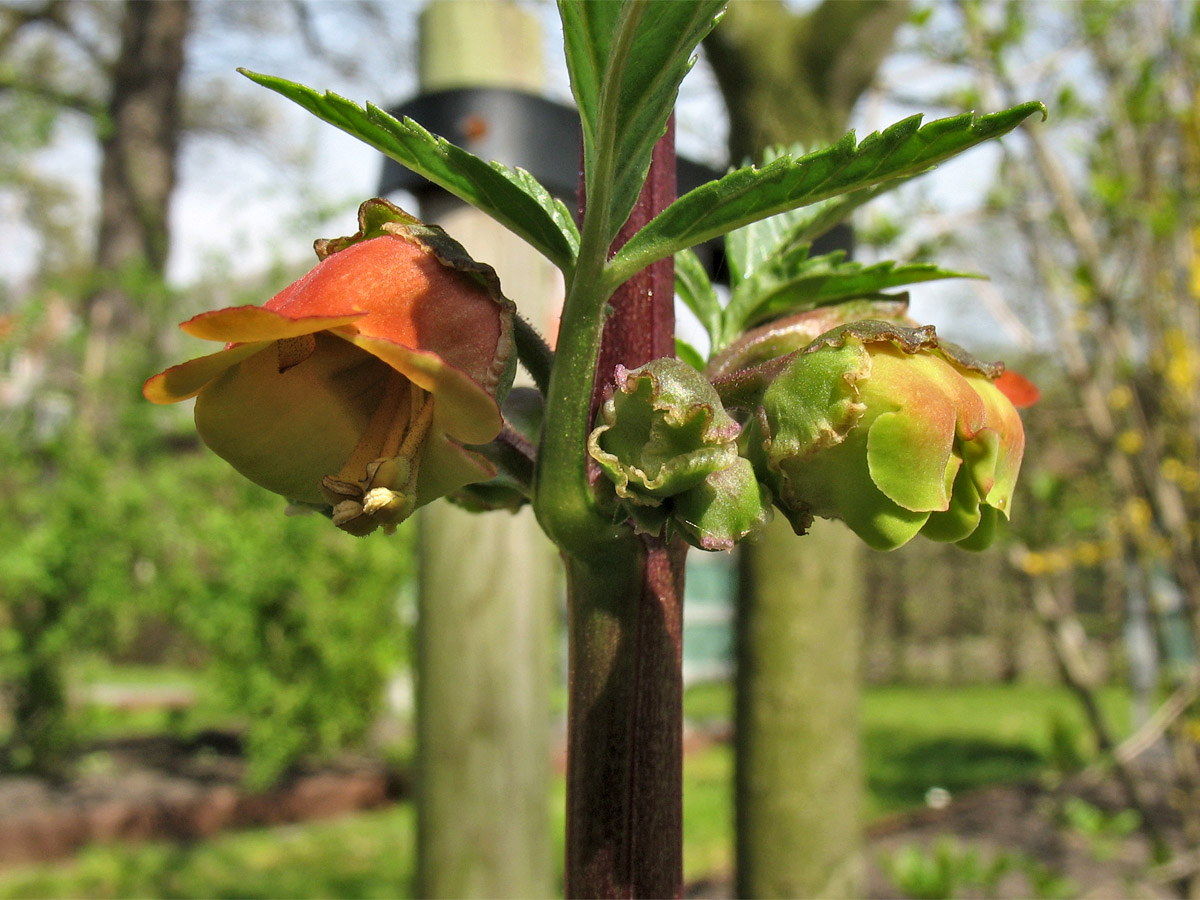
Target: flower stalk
<point x="625" y="692"/>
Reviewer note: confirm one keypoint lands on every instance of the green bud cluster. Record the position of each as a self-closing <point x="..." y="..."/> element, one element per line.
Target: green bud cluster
<point x="874" y="422"/>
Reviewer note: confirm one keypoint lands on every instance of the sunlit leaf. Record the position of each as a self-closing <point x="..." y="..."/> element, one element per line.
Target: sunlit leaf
<point x="694" y="288"/>
<point x="626" y="60"/>
<point x="689" y="354"/>
<point x="791" y="285"/>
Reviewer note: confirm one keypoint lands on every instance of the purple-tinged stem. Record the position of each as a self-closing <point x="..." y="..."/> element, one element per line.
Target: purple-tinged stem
<point x="625" y="709"/>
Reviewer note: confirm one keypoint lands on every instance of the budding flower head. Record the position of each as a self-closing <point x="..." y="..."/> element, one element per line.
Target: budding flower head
<point x="357" y="387"/>
<point x="670" y="450"/>
<point x="891" y="430"/>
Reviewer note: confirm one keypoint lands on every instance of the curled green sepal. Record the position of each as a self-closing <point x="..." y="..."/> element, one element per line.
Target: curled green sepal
<point x="892" y="431"/>
<point x="669" y="448"/>
<point x="724" y="509"/>
<point x="661" y="432"/>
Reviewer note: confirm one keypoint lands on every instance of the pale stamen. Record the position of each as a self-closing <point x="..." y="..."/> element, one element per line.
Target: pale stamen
<point x="388" y="452"/>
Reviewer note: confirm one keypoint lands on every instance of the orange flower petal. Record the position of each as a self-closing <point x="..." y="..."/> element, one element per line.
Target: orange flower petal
<point x="285" y="431"/>
<point x="462" y="408"/>
<point x="1020" y="391"/>
<point x="242" y="324"/>
<point x="411" y="298"/>
<point x="188" y="379"/>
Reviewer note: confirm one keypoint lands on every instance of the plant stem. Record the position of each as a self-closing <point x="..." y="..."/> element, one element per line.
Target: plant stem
<point x="563" y="500"/>
<point x="534" y="353"/>
<point x="642" y="324"/>
<point x="624" y="738"/>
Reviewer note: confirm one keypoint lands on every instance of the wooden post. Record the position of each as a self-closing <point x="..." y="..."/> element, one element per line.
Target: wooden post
<point x="487" y="582"/>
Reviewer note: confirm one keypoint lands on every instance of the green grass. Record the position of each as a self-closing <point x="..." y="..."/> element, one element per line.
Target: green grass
<point x="100" y="721"/>
<point x="913" y="739"/>
<point x="363" y="856"/>
<point x="961" y="738"/>
<point x="707" y="812"/>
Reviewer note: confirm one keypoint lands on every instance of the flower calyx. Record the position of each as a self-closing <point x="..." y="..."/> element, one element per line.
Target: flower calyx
<point x="669" y="449"/>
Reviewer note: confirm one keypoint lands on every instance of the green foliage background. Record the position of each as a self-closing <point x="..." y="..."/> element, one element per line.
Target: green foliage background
<point x="128" y="539"/>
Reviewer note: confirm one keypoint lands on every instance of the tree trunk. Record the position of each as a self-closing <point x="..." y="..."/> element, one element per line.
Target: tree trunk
<point x="787" y="77"/>
<point x="798" y="773"/>
<point x="138" y="144"/>
<point x="485" y="618"/>
<point x="794" y="79"/>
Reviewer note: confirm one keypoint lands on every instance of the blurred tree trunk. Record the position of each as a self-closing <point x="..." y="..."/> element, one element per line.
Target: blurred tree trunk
<point x="790" y="78"/>
<point x="485" y="618"/>
<point x="787" y="79"/>
<point x="798" y="775"/>
<point x="139" y="137"/>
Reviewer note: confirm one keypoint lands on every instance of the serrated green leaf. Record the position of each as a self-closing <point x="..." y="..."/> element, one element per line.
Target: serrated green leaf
<point x="784" y="240"/>
<point x="626" y="60"/>
<point x="749" y="247"/>
<point x="794" y="284"/>
<point x="824" y="216"/>
<point x="749" y="194"/>
<point x="693" y="287"/>
<point x="512" y="197"/>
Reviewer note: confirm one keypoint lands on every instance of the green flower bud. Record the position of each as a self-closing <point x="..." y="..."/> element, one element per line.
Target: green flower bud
<point x="891" y="430"/>
<point x="670" y="450"/>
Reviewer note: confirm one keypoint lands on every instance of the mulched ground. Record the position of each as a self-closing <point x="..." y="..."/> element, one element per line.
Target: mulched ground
<point x="166" y="788"/>
<point x="1025" y="824"/>
<point x="171" y="789"/>
<point x="1021" y="824"/>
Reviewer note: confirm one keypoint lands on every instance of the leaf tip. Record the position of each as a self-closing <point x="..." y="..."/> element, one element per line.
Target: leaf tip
<point x="1027" y="109"/>
<point x="270" y="82"/>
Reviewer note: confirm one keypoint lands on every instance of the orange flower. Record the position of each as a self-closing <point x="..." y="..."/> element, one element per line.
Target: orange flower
<point x="357" y="387"/>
